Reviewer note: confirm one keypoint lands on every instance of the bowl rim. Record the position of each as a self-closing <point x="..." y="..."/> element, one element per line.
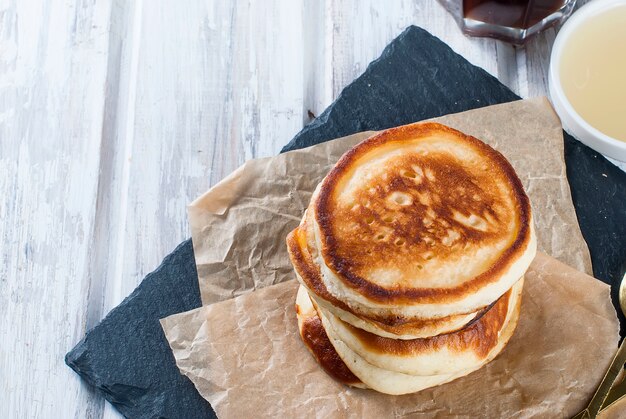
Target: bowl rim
<point x="582" y="15"/>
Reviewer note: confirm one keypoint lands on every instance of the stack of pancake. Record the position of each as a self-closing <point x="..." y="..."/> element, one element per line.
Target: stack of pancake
<point x="411" y="257"/>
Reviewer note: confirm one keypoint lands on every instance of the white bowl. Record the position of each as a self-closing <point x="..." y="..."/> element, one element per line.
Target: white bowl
<point x="572" y="121"/>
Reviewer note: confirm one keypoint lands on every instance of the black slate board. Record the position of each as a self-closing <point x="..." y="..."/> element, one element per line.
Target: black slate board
<point x="126" y="357"/>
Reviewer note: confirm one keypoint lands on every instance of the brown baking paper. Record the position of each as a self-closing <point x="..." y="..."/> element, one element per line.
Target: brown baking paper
<point x="246" y="358"/>
<point x="245" y="354"/>
<point x="239" y="226"/>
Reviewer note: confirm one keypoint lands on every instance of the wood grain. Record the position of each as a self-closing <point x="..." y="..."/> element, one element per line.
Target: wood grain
<point x="52" y="74"/>
<point x="114" y="115"/>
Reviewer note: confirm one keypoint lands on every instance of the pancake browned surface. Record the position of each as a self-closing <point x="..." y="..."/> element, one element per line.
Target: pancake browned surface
<point x="411" y="250"/>
<point x="314" y="337"/>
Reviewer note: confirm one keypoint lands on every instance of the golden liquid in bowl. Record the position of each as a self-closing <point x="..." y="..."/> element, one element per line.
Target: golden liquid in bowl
<point x="593" y="71"/>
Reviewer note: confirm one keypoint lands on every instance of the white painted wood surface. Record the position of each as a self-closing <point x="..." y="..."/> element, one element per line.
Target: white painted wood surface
<point x="114" y="115"/>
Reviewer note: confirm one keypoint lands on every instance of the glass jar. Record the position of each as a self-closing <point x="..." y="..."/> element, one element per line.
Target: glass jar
<point x="512" y="21"/>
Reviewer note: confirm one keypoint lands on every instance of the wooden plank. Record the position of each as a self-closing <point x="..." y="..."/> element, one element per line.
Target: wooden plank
<point x="317" y="50"/>
<point x="113" y="185"/>
<point x="53" y="60"/>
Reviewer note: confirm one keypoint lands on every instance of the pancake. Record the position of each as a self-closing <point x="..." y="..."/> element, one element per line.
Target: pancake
<point x="315" y="339"/>
<point x="466" y="349"/>
<point x="396" y="326"/>
<point x="421" y="221"/>
<point x="396" y="383"/>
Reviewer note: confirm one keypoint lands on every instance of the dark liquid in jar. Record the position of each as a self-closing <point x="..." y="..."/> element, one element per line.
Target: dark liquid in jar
<point x="520" y="14"/>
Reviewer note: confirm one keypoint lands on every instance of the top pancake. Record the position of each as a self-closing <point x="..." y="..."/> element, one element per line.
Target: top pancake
<point x="423" y="214"/>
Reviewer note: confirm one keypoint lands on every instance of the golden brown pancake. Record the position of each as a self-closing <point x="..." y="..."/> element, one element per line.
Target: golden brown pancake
<point x="422" y="220"/>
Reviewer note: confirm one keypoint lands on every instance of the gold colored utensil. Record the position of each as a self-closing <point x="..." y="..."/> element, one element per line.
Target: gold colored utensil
<point x="617" y="393"/>
<point x="601" y="397"/>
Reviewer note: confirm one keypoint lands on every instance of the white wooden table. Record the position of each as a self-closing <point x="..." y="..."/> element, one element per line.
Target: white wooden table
<point x="114" y="115"/>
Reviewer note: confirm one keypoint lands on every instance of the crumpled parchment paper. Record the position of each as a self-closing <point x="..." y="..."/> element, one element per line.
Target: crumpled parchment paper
<point x="245" y="357"/>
